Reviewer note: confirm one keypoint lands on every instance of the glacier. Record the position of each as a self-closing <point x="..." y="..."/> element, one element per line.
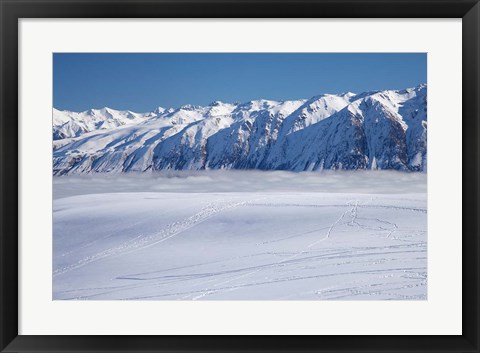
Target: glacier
<point x="371" y="130"/>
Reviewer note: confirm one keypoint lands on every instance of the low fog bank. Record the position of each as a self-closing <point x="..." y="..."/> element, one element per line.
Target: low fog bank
<point x="362" y="182"/>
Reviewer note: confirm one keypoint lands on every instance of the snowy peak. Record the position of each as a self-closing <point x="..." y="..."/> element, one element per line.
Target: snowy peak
<point x="72" y="124"/>
<point x="314" y="110"/>
<point x="159" y="110"/>
<point x="373" y="130"/>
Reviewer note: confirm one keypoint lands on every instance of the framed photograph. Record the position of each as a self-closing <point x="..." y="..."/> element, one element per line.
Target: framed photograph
<point x="239" y="176"/>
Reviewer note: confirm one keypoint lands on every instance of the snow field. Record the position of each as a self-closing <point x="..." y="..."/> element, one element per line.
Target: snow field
<point x="270" y="245"/>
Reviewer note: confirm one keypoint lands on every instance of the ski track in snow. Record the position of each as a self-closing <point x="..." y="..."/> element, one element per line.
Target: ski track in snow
<point x="369" y="250"/>
<point x="162" y="235"/>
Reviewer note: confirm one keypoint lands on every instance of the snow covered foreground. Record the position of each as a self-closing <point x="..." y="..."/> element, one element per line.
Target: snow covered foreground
<point x="314" y="241"/>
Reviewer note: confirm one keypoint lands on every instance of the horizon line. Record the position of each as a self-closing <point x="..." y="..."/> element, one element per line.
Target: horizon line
<point x="240" y="103"/>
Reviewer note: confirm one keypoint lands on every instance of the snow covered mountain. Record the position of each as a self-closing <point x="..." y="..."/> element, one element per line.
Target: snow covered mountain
<point x="371" y="130"/>
<point x="71" y="124"/>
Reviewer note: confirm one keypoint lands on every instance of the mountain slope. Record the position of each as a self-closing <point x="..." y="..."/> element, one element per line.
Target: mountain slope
<point x="372" y="130"/>
<point x="71" y="124"/>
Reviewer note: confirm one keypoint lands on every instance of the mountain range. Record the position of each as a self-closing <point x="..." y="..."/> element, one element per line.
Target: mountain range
<point x="371" y="130"/>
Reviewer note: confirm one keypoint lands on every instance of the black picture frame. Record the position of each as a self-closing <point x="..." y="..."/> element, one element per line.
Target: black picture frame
<point x="13" y="10"/>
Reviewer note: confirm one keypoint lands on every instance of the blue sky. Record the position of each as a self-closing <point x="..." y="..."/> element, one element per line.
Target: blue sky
<point x="143" y="81"/>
